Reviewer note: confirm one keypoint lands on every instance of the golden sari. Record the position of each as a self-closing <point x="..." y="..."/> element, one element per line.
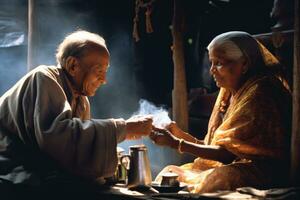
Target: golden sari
<point x="254" y="124"/>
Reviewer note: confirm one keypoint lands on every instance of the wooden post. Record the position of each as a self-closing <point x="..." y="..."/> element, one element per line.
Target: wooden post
<point x="32" y="36"/>
<point x="295" y="144"/>
<point x="179" y="95"/>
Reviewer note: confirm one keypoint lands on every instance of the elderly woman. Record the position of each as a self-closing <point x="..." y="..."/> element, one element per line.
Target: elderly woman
<point x="247" y="143"/>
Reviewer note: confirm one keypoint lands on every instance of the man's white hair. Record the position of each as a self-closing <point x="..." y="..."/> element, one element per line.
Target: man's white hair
<point x="76" y="43"/>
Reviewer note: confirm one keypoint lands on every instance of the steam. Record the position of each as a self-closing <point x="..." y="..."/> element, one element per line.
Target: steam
<point x="120" y="95"/>
<point x="160" y="156"/>
<point x="160" y="114"/>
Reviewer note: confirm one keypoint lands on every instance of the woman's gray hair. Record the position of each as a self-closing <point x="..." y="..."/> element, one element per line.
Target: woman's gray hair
<point x="227" y="47"/>
<point x="76" y="45"/>
<point x="237" y="44"/>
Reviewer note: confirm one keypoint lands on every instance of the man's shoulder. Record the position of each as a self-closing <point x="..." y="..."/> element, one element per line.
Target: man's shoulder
<point x="46" y="71"/>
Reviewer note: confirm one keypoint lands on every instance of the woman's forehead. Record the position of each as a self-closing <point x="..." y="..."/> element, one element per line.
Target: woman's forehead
<point x="215" y="53"/>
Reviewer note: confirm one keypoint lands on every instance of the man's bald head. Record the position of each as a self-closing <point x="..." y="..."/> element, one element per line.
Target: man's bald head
<point x="77" y="44"/>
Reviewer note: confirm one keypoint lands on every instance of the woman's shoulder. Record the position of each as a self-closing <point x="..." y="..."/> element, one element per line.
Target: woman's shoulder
<point x="269" y="84"/>
<point x="268" y="90"/>
<point x="264" y="89"/>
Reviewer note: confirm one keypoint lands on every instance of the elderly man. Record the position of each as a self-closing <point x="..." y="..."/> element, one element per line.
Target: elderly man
<point x="45" y="123"/>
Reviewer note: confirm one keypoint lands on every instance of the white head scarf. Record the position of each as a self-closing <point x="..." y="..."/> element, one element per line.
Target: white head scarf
<point x="257" y="55"/>
<point x="259" y="58"/>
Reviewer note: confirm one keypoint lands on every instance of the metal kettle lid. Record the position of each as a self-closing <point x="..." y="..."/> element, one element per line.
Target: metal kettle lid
<point x="139" y="147"/>
<point x="170" y="175"/>
<point x="120" y="150"/>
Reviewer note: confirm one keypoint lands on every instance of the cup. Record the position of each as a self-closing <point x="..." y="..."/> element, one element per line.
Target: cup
<point x="170" y="179"/>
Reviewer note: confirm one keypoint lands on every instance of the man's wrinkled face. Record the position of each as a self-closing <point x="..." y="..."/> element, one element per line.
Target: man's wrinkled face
<point x="92" y="72"/>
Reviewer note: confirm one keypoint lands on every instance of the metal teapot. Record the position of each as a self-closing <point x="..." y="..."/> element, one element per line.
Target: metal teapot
<point x="120" y="175"/>
<point x="121" y="172"/>
<point x="139" y="173"/>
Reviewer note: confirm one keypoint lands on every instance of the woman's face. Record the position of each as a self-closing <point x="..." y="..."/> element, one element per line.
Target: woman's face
<point x="92" y="73"/>
<point x="227" y="73"/>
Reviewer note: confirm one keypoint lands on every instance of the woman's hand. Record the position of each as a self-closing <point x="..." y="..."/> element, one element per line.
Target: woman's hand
<point x="175" y="130"/>
<point x="164" y="137"/>
<point x="138" y="126"/>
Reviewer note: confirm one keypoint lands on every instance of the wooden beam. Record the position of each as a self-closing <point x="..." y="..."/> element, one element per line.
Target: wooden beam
<point x="295" y="143"/>
<point x="179" y="95"/>
<point x="266" y="38"/>
<point x="32" y="36"/>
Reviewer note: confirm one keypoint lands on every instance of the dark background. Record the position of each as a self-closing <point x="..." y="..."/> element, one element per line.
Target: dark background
<point x="139" y="70"/>
<point x="142" y="69"/>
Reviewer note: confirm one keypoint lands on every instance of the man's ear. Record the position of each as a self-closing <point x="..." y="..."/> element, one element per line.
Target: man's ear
<point x="71" y="65"/>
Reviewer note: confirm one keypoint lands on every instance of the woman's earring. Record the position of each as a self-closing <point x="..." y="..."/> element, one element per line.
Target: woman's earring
<point x="245" y="67"/>
<point x="213" y="69"/>
<point x="245" y="70"/>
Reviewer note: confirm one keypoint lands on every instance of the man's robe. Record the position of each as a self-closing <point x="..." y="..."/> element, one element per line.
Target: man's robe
<point x="44" y="125"/>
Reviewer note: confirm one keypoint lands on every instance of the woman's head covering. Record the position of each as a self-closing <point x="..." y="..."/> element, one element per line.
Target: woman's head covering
<point x="258" y="57"/>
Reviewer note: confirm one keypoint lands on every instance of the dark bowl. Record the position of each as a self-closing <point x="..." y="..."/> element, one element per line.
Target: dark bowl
<point x="168" y="189"/>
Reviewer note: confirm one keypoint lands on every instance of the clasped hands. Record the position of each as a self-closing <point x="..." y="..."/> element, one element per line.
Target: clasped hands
<point x="141" y="125"/>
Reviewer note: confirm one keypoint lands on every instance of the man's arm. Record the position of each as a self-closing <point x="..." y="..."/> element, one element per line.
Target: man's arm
<point x="85" y="147"/>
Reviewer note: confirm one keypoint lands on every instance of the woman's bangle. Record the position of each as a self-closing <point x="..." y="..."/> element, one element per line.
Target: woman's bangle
<point x="180" y="145"/>
<point x="196" y="140"/>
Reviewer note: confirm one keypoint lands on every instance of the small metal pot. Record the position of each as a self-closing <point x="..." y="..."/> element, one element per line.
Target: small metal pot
<point x="139" y="173"/>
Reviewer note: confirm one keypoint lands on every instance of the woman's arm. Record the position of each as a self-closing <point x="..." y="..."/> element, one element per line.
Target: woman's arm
<point x="166" y="138"/>
<point x="176" y="131"/>
<point x="211" y="152"/>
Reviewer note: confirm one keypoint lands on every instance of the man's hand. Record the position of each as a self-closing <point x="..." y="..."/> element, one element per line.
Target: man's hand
<point x="138" y="126"/>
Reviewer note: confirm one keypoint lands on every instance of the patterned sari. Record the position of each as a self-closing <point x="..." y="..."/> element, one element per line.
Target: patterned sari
<point x="254" y="124"/>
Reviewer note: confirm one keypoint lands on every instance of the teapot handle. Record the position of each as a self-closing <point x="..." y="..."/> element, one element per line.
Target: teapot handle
<point x="122" y="163"/>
